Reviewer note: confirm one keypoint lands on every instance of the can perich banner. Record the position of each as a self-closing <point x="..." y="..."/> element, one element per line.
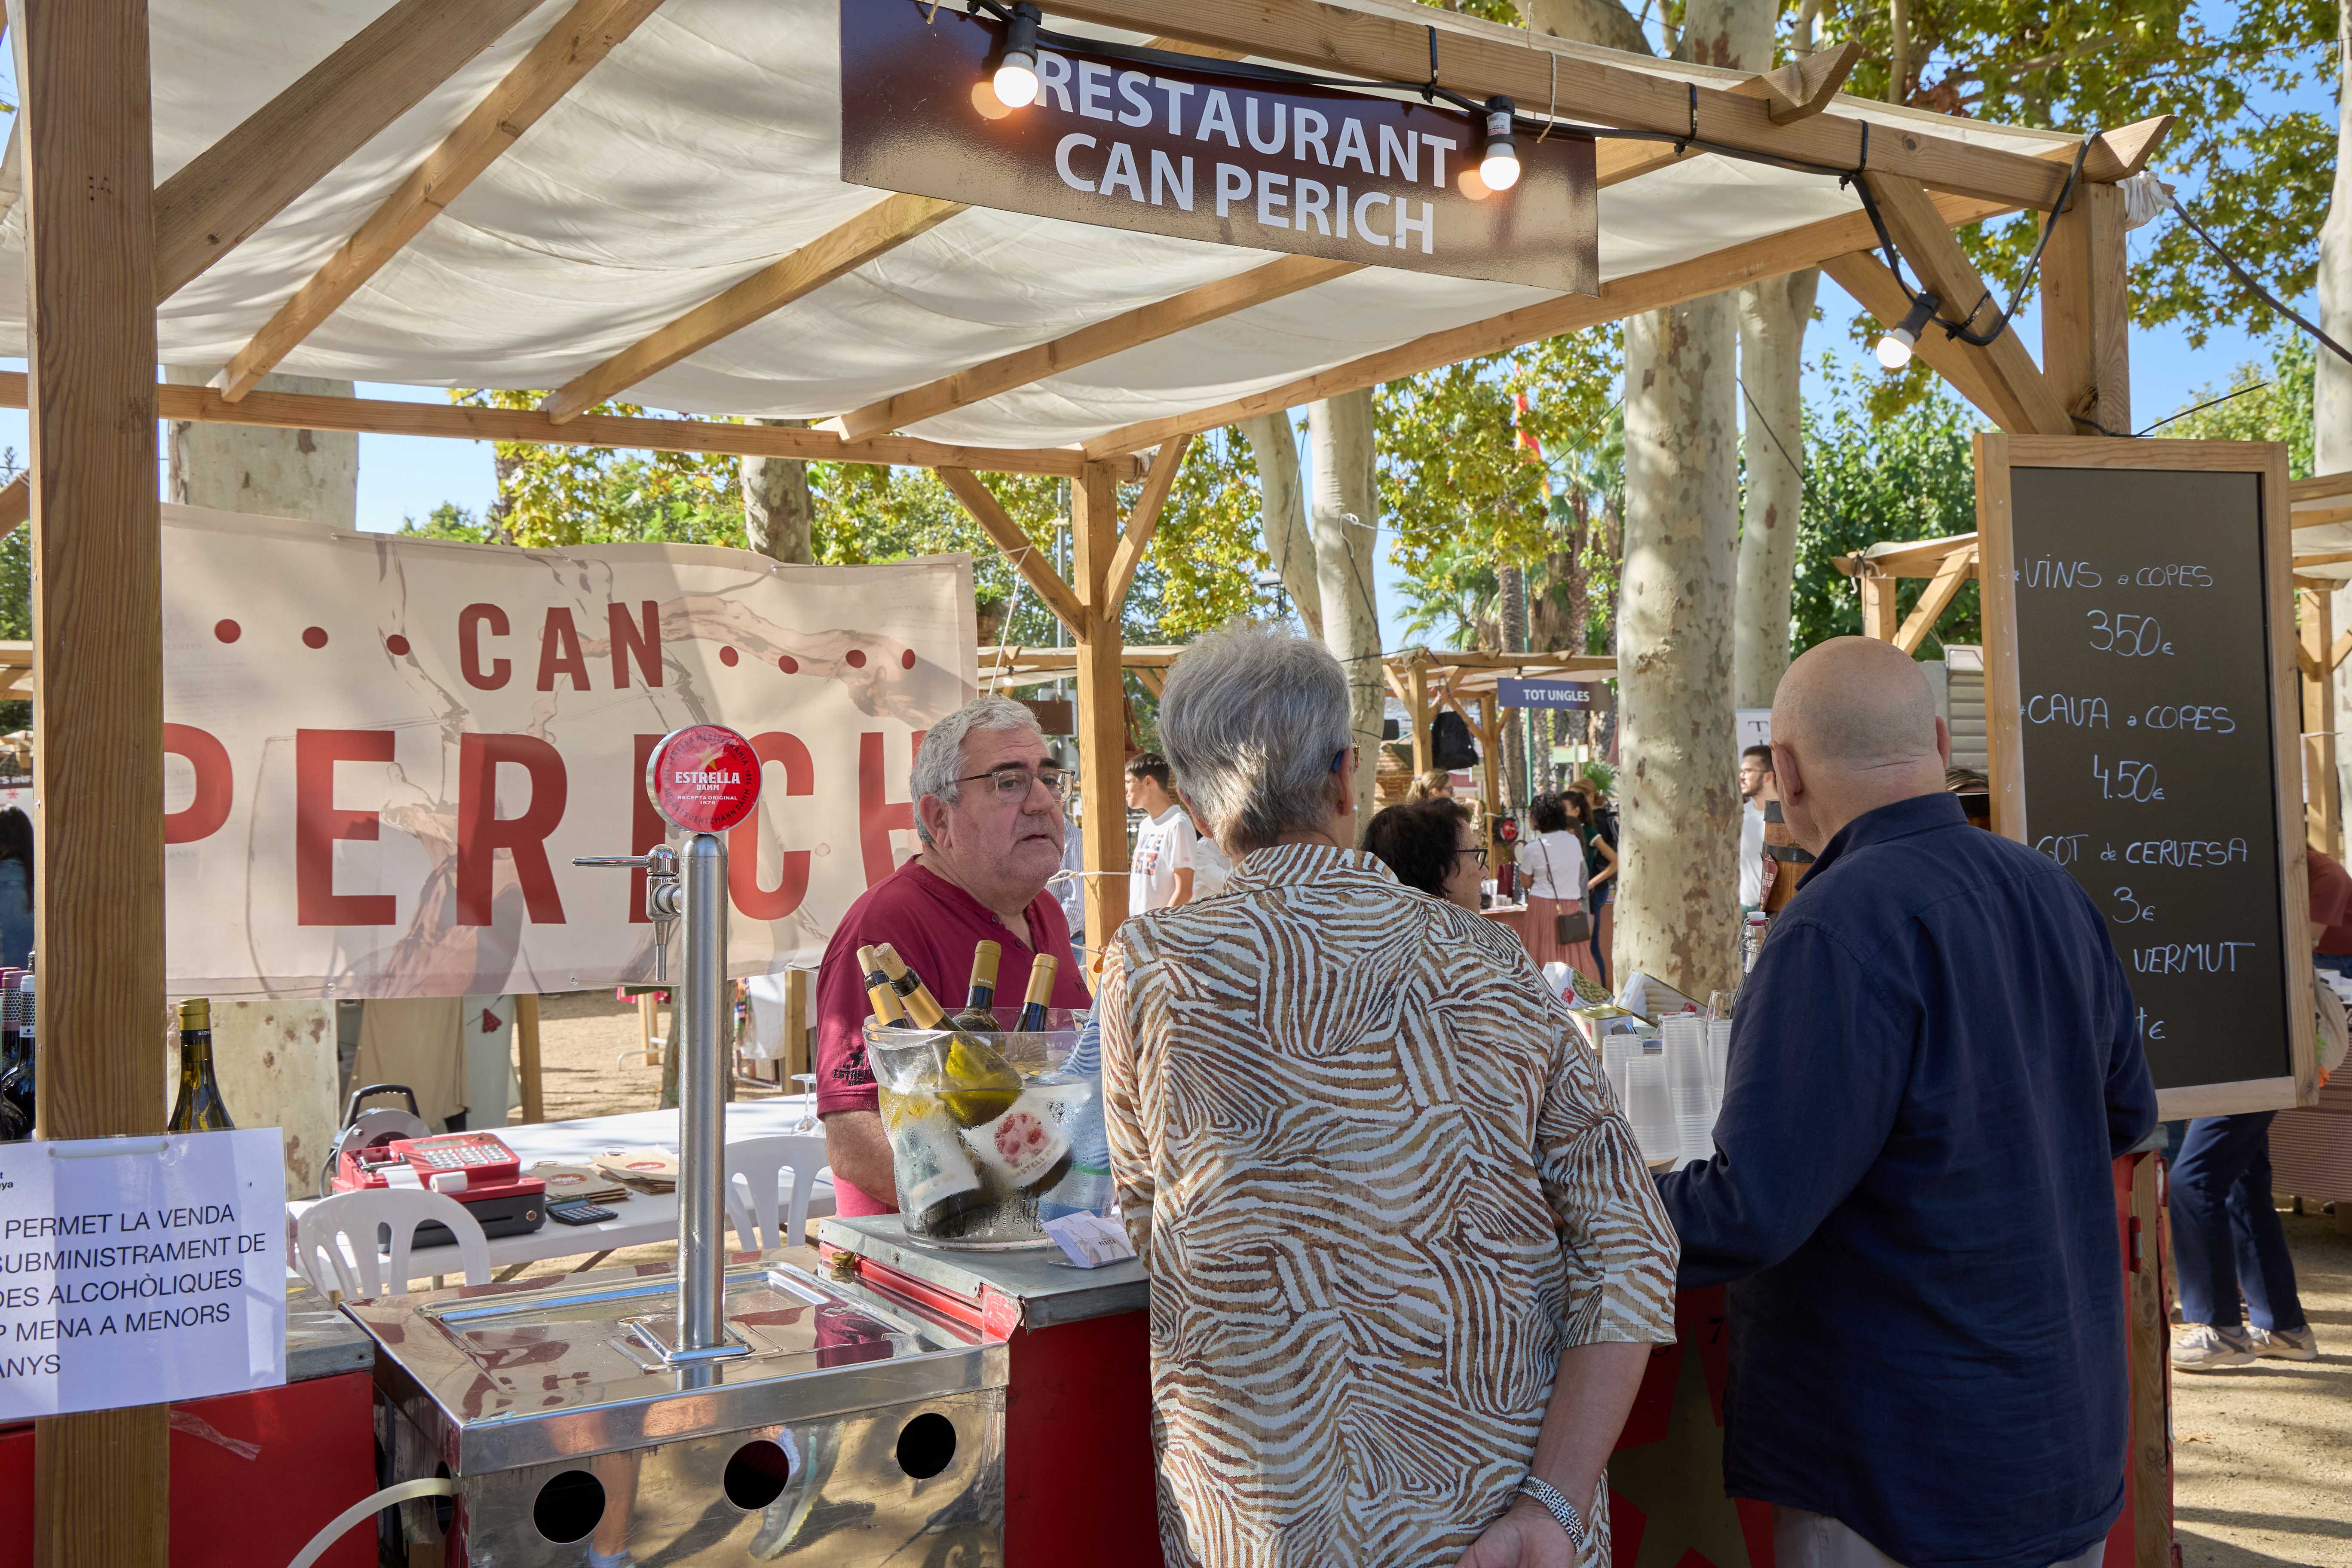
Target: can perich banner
<point x="382" y="753"/>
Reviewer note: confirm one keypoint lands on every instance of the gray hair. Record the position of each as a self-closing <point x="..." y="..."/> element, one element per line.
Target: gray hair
<point x="942" y="756"/>
<point x="1251" y="720"/>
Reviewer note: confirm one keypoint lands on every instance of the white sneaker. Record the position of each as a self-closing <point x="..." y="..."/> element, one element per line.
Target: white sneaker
<point x="2292" y="1344"/>
<point x="2204" y="1348"/>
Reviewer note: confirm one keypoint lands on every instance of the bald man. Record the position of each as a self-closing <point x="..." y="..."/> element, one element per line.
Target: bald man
<point x="1933" y="1065"/>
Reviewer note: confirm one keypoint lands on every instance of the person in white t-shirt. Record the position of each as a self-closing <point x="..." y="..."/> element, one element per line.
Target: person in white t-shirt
<point x="1160" y="875"/>
<point x="1211" y="864"/>
<point x="1755" y="772"/>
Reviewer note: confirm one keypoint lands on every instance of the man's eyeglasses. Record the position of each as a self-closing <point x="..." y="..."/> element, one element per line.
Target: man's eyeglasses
<point x="1478" y="850"/>
<point x="1013" y="783"/>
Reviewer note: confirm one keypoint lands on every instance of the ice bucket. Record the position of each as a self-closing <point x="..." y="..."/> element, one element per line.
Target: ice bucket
<point x="980" y="1161"/>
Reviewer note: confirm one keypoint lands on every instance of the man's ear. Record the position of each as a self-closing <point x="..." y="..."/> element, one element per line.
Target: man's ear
<point x="933" y="815"/>
<point x="1944" y="742"/>
<point x="1788" y="773"/>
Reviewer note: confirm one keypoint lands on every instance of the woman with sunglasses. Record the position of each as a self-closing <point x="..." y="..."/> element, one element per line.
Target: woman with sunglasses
<point x="1431" y="846"/>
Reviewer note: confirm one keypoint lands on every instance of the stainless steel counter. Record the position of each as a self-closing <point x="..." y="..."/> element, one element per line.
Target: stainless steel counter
<point x="1047" y="1287"/>
<point x="852" y="1426"/>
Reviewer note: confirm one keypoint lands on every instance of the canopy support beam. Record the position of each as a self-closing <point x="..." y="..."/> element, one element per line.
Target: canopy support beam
<point x="1102" y="710"/>
<point x="290" y="144"/>
<point x="587" y="34"/>
<point x="878" y="230"/>
<point x="1695" y="279"/>
<point x="101" y="1481"/>
<point x="305" y="411"/>
<point x="2087" y="313"/>
<point x="1386" y="44"/>
<point x="2030" y="405"/>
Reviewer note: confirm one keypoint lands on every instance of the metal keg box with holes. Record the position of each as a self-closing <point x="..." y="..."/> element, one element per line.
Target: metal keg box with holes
<point x="853" y="1428"/>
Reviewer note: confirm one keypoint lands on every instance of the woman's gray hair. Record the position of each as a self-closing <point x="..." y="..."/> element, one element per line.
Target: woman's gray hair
<point x="1251" y="722"/>
<point x="941" y="760"/>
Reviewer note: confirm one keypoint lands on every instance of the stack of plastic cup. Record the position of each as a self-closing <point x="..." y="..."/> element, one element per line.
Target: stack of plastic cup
<point x="1718" y="1061"/>
<point x="1648" y="1105"/>
<point x="1686" y="1080"/>
<point x="1617" y="1054"/>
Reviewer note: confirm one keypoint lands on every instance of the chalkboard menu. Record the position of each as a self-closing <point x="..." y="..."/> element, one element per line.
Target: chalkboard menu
<point x="2143" y="750"/>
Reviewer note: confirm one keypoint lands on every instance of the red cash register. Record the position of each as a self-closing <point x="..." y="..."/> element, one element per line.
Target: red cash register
<point x="474" y="1168"/>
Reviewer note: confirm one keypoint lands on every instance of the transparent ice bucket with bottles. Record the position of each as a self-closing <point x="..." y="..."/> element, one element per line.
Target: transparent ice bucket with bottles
<point x="993" y="1133"/>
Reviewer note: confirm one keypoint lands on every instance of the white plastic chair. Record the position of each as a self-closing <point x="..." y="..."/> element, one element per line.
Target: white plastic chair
<point x="335" y="1241"/>
<point x="754" y="1199"/>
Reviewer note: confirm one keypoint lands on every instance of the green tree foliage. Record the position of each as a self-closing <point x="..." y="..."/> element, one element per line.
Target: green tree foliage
<point x="1197" y="575"/>
<point x="1910" y="475"/>
<point x="552" y="497"/>
<point x="2256" y="173"/>
<point x="2261" y="402"/>
<point x="1516" y="459"/>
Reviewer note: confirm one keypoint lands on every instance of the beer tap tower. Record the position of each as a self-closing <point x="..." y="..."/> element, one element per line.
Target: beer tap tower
<point x="704" y="780"/>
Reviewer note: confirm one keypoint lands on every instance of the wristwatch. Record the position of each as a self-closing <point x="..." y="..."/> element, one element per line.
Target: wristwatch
<point x="1557" y="1505"/>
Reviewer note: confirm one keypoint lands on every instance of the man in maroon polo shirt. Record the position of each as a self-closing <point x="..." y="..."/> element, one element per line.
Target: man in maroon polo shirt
<point x="988" y="810"/>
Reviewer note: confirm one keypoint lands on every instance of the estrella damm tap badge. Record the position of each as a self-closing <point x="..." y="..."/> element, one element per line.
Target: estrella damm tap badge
<point x="704" y="778"/>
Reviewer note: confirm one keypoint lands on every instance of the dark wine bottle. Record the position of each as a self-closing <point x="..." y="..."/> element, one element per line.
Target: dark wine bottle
<point x="980" y="995"/>
<point x="1040" y="993"/>
<point x="200" y="1108"/>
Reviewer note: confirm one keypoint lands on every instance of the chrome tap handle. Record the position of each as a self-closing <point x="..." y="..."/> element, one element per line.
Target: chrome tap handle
<point x="663" y="897"/>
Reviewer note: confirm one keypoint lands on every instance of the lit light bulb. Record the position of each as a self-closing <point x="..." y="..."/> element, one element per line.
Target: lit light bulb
<point x="1016" y="74"/>
<point x="1016" y="81"/>
<point x="1894" y="348"/>
<point x="1499" y="168"/>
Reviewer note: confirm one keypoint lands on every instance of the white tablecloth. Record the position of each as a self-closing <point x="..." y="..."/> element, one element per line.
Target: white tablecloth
<point x="644" y="1217"/>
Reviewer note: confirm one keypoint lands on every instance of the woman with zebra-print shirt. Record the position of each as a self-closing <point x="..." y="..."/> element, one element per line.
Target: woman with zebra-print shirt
<point x="1406" y="1260"/>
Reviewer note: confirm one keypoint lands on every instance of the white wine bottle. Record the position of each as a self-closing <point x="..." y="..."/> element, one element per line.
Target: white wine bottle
<point x="200" y="1108"/>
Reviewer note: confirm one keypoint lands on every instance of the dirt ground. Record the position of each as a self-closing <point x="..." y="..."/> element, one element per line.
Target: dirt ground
<point x="2262" y="1453"/>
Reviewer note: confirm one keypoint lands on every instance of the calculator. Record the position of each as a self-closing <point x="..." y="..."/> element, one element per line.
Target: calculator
<point x="578" y="1214"/>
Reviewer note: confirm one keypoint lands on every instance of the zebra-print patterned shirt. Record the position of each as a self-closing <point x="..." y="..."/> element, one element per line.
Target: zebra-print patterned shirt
<point x="1380" y="1185"/>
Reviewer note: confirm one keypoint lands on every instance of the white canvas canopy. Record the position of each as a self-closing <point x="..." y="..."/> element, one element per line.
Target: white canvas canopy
<point x="707" y="147"/>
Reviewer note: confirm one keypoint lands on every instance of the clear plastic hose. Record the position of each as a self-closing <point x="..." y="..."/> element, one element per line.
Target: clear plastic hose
<point x="367" y="1508"/>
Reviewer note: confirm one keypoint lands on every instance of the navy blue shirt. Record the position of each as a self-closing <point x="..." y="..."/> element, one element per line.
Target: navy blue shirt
<point x="1932" y="1066"/>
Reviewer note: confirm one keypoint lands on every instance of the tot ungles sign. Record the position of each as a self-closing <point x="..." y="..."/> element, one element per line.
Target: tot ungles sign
<point x="1232" y="160"/>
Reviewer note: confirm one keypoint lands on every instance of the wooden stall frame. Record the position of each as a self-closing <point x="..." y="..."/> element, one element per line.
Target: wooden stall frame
<point x="87" y="125"/>
<point x="1997" y="455"/>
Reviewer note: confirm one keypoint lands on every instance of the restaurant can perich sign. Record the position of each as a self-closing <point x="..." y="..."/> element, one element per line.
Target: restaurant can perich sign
<point x="382" y="753"/>
<point x="1232" y="159"/>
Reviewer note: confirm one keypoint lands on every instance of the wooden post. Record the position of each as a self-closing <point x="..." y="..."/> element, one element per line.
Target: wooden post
<point x="101" y="1482"/>
<point x="2322" y="803"/>
<point x="2086" y="313"/>
<point x="1102" y="708"/>
<point x="527" y="1068"/>
<point x="1878" y="617"/>
<point x="1490" y="781"/>
<point x="796" y="1024"/>
<point x="1416" y="675"/>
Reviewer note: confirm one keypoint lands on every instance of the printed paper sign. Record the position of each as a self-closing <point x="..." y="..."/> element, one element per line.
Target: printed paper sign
<point x="382" y="753"/>
<point x="141" y="1270"/>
